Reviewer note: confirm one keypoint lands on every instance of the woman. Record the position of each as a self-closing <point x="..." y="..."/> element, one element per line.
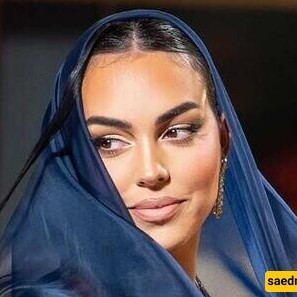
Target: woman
<point x="131" y="164"/>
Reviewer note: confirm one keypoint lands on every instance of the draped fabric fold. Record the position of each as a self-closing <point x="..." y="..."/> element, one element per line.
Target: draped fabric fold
<point x="71" y="234"/>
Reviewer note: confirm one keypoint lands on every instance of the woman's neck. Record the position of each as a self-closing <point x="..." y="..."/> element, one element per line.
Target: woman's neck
<point x="186" y="256"/>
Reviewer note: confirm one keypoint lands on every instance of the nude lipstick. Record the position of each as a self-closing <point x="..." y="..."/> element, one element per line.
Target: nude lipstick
<point x="157" y="210"/>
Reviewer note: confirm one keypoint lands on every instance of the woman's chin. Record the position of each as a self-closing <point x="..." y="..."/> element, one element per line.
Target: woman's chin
<point x="170" y="238"/>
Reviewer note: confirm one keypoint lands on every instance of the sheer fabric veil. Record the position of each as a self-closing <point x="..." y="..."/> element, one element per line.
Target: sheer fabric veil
<point x="71" y="234"/>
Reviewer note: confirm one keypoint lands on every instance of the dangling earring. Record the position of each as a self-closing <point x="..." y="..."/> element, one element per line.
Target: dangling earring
<point x="218" y="207"/>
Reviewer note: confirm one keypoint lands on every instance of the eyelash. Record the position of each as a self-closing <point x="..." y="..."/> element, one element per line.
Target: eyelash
<point x="192" y="129"/>
<point x="98" y="142"/>
<point x="186" y="140"/>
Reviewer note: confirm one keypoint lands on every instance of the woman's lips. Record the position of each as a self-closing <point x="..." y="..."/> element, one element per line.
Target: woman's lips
<point x="157" y="210"/>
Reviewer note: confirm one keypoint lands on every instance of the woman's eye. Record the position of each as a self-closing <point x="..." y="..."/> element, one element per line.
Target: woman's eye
<point x="180" y="132"/>
<point x="177" y="133"/>
<point x="108" y="146"/>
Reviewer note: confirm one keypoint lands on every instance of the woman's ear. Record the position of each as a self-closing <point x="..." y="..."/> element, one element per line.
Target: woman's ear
<point x="225" y="135"/>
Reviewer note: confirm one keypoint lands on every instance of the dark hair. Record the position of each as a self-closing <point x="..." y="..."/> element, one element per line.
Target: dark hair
<point x="153" y="35"/>
<point x="120" y="37"/>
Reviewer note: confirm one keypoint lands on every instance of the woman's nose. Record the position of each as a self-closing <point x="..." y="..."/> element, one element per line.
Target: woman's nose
<point x="152" y="173"/>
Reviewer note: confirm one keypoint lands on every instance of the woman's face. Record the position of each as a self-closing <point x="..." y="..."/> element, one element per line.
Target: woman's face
<point x="159" y="139"/>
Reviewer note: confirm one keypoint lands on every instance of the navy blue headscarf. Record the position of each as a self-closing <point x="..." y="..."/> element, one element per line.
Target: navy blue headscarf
<point x="71" y="234"/>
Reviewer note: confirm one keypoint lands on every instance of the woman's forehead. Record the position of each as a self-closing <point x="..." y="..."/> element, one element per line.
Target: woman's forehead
<point x="140" y="79"/>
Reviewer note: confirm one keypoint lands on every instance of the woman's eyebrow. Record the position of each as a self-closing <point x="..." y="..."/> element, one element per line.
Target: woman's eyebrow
<point x="175" y="111"/>
<point x="106" y="121"/>
<point x="163" y="118"/>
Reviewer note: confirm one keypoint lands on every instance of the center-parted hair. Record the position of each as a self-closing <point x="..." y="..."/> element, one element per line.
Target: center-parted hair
<point x="149" y="35"/>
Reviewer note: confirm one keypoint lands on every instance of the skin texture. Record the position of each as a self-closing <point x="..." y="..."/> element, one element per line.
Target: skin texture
<point x="149" y="161"/>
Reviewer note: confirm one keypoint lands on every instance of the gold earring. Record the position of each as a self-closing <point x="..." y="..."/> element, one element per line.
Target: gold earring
<point x="218" y="207"/>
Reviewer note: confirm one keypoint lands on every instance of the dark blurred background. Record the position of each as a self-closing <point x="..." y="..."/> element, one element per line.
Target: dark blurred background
<point x="253" y="44"/>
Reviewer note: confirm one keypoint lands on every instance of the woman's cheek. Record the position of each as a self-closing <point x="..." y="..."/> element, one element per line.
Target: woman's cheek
<point x="120" y="172"/>
<point x="198" y="166"/>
